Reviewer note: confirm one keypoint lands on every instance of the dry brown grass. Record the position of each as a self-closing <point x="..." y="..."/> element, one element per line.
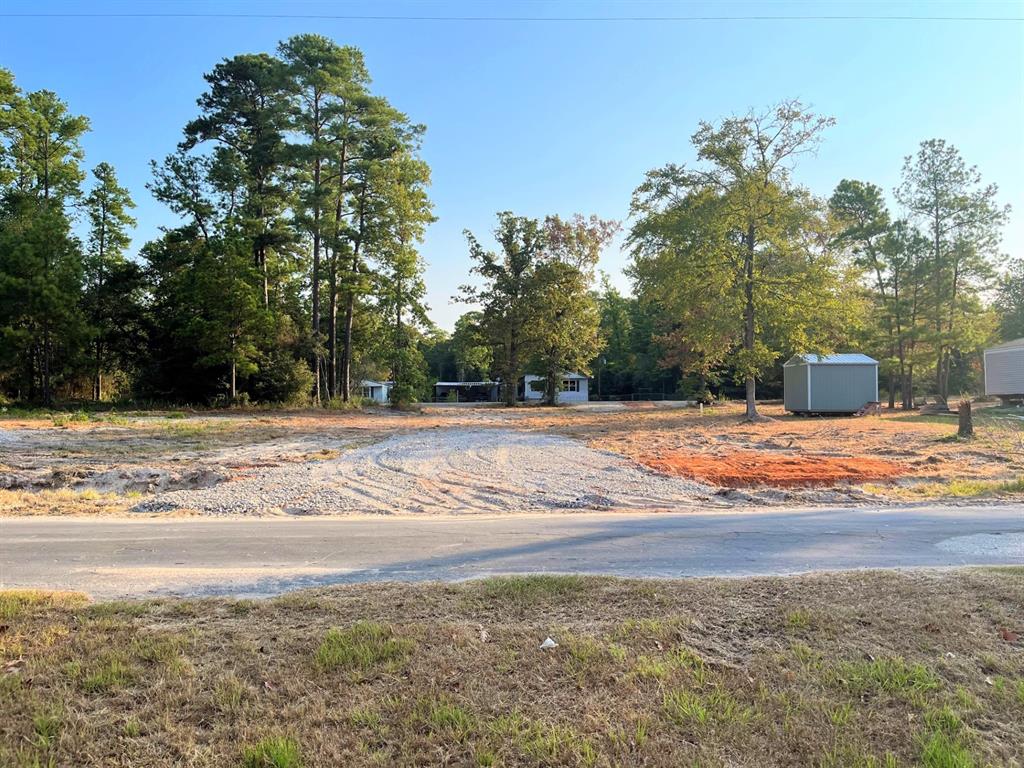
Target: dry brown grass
<point x="62" y="502"/>
<point x="857" y="669"/>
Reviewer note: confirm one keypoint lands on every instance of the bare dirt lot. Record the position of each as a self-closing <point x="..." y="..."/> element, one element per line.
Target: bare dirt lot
<point x="859" y="669"/>
<point x="491" y="460"/>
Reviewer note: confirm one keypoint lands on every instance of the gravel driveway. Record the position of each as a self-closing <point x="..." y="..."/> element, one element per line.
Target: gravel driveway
<point x="445" y="471"/>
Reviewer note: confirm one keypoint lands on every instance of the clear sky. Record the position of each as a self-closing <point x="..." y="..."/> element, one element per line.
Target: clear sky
<point x="558" y="116"/>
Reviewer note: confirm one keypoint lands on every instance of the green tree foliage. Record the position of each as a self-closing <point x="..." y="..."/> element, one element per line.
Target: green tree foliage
<point x="537" y="309"/>
<point x="472" y="354"/>
<point x="1009" y="303"/>
<point x="566" y="319"/>
<point x="113" y="285"/>
<point x="735" y="253"/>
<point x="41" y="325"/>
<point x="330" y="83"/>
<point x="294" y="161"/>
<point x="245" y="112"/>
<point x="506" y="296"/>
<point x="961" y="221"/>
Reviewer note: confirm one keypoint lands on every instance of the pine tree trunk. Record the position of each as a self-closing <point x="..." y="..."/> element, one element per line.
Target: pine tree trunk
<point x="97" y="388"/>
<point x="346" y="360"/>
<point x="315" y="285"/>
<point x="748" y="320"/>
<point x="315" y="297"/>
<point x="332" y="327"/>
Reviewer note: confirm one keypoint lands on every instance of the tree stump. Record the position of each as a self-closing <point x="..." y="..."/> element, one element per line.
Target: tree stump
<point x="965" y="430"/>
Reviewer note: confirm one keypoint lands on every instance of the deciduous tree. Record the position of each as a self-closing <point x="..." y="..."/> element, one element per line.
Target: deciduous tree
<point x="734" y="249"/>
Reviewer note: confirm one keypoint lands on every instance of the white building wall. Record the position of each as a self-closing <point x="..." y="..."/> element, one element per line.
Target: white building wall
<point x="1004" y="371"/>
<point x="564" y="396"/>
<point x="576" y="397"/>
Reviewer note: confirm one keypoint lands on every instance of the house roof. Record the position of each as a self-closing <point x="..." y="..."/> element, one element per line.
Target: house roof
<point x="849" y="358"/>
<point x="566" y="375"/>
<point x="1015" y="344"/>
<point x="465" y="383"/>
<point x="372" y="383"/>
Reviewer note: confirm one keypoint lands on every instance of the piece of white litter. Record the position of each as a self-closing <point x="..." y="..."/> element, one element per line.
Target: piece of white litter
<point x="549" y="643"/>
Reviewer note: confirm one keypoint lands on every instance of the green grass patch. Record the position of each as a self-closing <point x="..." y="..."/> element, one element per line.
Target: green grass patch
<point x="108" y="674"/>
<point x="363" y="646"/>
<point x="891" y="675"/>
<point x="46" y="728"/>
<point x="543" y="743"/>
<point x="117" y="608"/>
<point x="15" y="602"/>
<point x="229" y="693"/>
<point x="531" y="590"/>
<point x="159" y="649"/>
<point x="944" y="744"/>
<point x="455" y="721"/>
<point x="273" y="752"/>
<point x="189" y="429"/>
<point x="63" y="419"/>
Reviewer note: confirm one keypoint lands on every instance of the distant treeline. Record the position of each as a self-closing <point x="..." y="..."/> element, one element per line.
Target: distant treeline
<point x="294" y="271"/>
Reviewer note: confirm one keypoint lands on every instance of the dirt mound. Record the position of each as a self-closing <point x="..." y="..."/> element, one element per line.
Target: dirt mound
<point x="747" y="469"/>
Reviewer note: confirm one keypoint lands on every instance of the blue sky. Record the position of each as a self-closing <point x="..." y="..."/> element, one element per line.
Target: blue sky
<point x="559" y="116"/>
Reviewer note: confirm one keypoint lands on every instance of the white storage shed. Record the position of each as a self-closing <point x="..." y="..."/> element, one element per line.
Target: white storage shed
<point x="1004" y="370"/>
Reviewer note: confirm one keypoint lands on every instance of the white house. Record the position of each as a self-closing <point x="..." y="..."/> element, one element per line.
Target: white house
<point x="378" y="391"/>
<point x="575" y="388"/>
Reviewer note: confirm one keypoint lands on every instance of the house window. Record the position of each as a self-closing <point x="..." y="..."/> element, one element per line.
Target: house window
<point x="570" y="385"/>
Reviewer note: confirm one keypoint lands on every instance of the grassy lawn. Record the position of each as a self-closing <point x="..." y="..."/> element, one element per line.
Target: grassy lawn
<point x="861" y="669"/>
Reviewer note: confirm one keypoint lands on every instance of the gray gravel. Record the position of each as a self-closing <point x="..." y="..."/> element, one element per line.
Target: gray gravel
<point x="445" y="471"/>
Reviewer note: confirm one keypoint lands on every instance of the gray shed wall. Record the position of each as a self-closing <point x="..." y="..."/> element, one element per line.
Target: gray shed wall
<point x="1004" y="372"/>
<point x="842" y="388"/>
<point x="794" y="381"/>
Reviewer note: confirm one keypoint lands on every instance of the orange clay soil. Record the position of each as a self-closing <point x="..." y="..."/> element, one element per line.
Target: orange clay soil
<point x="747" y="468"/>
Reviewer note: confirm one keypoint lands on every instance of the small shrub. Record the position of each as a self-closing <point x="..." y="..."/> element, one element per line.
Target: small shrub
<point x="275" y="752"/>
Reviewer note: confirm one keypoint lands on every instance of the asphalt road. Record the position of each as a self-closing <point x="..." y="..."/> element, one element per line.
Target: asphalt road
<point x="254" y="557"/>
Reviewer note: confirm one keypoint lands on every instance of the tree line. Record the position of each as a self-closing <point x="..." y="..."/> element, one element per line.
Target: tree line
<point x="302" y="200"/>
<point x="294" y="269"/>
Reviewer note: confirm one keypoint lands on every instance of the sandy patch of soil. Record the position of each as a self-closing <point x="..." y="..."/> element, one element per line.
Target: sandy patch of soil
<point x="746" y="469"/>
<point x="925" y="449"/>
<point x="455" y="471"/>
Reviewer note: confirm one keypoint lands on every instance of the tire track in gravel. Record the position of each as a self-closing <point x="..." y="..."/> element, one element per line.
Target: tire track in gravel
<point x="461" y="471"/>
